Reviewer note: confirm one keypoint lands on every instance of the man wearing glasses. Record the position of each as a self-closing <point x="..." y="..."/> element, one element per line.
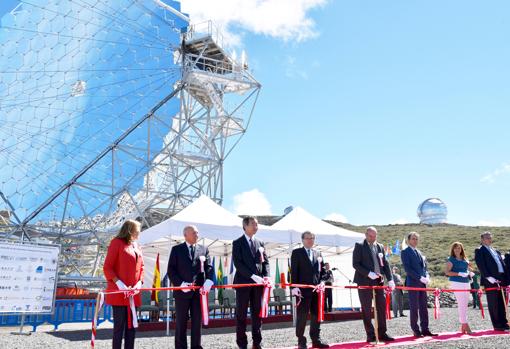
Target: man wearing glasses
<point x="492" y="274"/>
<point x="307" y="268"/>
<point x="371" y="267"/>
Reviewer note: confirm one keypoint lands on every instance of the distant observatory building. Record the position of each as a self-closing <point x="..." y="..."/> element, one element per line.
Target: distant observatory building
<point x="432" y="211"/>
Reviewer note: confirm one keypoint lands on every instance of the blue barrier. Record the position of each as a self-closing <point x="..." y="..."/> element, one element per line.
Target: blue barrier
<point x="66" y="311"/>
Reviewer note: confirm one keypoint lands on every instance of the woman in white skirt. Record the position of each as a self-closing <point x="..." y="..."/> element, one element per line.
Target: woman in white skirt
<point x="457" y="271"/>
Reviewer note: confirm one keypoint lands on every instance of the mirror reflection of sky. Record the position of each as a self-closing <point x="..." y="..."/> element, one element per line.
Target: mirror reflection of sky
<point x="73" y="78"/>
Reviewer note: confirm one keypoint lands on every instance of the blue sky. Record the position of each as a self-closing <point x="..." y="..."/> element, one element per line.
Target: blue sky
<point x="390" y="103"/>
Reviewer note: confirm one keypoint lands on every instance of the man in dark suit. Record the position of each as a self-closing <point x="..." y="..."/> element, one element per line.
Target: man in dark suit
<point x="252" y="267"/>
<point x="189" y="265"/>
<point x="492" y="273"/>
<point x="307" y="268"/>
<point x="370" y="267"/>
<point x="415" y="266"/>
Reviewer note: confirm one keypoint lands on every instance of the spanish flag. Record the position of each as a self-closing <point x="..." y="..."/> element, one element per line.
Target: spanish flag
<point x="156" y="281"/>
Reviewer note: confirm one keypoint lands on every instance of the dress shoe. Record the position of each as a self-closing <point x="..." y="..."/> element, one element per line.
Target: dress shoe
<point x="417" y="334"/>
<point x="403" y="315"/>
<point x="501" y="329"/>
<point x="256" y="346"/>
<point x="320" y="344"/>
<point x="386" y="338"/>
<point x="428" y="333"/>
<point x="371" y="339"/>
<point x="302" y="346"/>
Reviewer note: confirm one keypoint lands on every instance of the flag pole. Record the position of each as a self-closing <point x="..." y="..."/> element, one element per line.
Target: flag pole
<point x="167" y="305"/>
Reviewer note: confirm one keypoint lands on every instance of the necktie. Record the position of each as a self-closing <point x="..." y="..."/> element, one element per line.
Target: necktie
<point x="252" y="248"/>
<point x="418" y="254"/>
<point x="192" y="251"/>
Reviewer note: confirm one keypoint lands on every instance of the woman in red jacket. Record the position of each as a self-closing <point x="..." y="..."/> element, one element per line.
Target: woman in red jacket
<point x="123" y="269"/>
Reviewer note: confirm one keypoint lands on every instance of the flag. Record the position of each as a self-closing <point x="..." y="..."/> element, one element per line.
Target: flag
<point x="404" y="245"/>
<point x="277" y="276"/>
<point x="156" y="281"/>
<point x="219" y="278"/>
<point x="214" y="271"/>
<point x="225" y="276"/>
<point x="282" y="280"/>
<point x="288" y="272"/>
<point x="396" y="248"/>
<point x="232" y="270"/>
<point x="386" y="252"/>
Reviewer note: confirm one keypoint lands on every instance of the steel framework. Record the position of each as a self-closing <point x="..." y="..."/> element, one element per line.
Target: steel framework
<point x="152" y="163"/>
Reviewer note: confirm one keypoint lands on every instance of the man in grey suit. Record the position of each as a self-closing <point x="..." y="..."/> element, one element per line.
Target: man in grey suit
<point x="371" y="266"/>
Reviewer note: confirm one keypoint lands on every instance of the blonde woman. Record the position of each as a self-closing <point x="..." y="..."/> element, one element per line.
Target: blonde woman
<point x="457" y="270"/>
<point x="123" y="269"/>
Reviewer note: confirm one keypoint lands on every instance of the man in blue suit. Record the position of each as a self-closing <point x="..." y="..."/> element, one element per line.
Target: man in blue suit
<point x="492" y="273"/>
<point x="415" y="266"/>
<point x="252" y="267"/>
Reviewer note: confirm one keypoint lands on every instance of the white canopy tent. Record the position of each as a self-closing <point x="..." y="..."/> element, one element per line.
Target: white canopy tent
<point x="218" y="227"/>
<point x="336" y="245"/>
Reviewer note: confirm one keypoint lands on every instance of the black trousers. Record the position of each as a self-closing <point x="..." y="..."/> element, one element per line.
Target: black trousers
<point x="183" y="308"/>
<point x="308" y="305"/>
<point x="496" y="306"/>
<point x="365" y="298"/>
<point x="253" y="297"/>
<point x="328" y="302"/>
<point x="120" y="328"/>
<point x="418" y="308"/>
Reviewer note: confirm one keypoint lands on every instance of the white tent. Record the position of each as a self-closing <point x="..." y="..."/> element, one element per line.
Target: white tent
<point x="217" y="229"/>
<point x="336" y="245"/>
<point x="327" y="235"/>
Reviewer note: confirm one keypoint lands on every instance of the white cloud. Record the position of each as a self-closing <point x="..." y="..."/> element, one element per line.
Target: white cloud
<point x="491" y="177"/>
<point x="501" y="222"/>
<point x="336" y="217"/>
<point x="287" y="20"/>
<point x="252" y="202"/>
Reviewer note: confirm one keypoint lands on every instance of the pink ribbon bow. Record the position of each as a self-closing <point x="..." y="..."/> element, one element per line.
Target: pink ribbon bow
<point x="264" y="309"/>
<point x="437" y="293"/>
<point x="320" y="289"/>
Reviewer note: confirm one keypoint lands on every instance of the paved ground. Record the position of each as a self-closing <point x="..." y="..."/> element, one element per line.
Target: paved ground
<point x="275" y="335"/>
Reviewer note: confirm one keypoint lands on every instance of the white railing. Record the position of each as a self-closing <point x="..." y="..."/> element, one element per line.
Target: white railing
<point x="204" y="29"/>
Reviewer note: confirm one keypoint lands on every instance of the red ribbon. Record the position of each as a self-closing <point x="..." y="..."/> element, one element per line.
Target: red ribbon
<point x="204" y="306"/>
<point x="480" y="294"/>
<point x="437" y="292"/>
<point x="320" y="289"/>
<point x="99" y="304"/>
<point x="264" y="309"/>
<point x="387" y="292"/>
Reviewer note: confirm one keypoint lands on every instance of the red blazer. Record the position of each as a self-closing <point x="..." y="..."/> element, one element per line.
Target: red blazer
<point x="125" y="262"/>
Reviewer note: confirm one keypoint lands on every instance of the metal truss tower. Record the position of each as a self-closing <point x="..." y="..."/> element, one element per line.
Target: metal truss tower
<point x="112" y="111"/>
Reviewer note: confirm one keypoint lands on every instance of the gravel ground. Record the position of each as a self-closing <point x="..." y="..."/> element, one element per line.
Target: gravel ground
<point x="274" y="335"/>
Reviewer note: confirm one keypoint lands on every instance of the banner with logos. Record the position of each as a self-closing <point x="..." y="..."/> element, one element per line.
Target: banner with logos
<point x="28" y="277"/>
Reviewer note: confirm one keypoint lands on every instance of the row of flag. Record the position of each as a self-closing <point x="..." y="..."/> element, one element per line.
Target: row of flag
<point x="222" y="278"/>
<point x="396" y="248"/>
<point x="219" y="277"/>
